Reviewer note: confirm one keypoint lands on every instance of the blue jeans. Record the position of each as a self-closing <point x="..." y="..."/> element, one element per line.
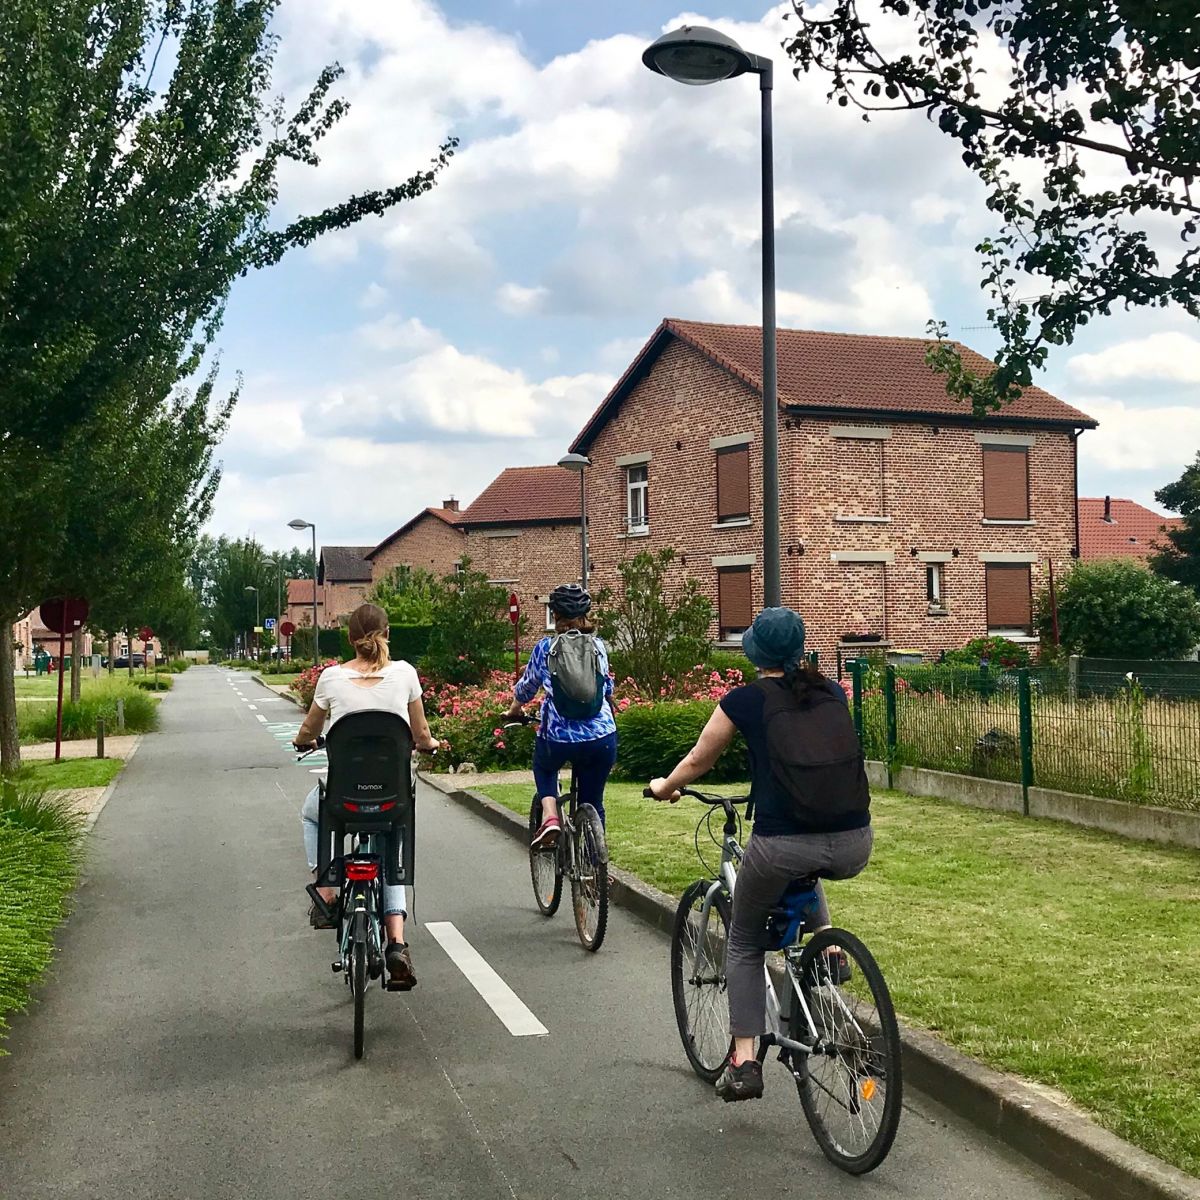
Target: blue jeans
<point x="592" y="762"/>
<point x="394" y="899"/>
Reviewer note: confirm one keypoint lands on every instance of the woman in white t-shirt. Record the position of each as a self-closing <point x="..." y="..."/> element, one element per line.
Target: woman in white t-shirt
<point x="369" y="682"/>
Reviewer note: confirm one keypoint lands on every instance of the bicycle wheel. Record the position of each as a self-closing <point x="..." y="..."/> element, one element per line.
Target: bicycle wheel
<point x="698" y="980"/>
<point x="589" y="878"/>
<point x="358" y="978"/>
<point x="851" y="1091"/>
<point x="545" y="867"/>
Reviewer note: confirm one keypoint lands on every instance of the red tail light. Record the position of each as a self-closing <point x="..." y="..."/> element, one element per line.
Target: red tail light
<point x="371" y="808"/>
<point x="362" y="872"/>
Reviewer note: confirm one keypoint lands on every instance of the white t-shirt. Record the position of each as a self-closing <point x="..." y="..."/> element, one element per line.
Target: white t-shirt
<point x="338" y="693"/>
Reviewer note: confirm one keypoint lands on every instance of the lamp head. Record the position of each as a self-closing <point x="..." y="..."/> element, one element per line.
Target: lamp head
<point x="299" y="524"/>
<point x="575" y="462"/>
<point x="697" y="55"/>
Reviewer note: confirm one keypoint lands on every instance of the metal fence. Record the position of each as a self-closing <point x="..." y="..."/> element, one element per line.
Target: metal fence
<point x="1038" y="727"/>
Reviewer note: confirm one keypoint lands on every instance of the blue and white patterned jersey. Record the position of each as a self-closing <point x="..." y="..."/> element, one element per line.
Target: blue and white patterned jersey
<point x="556" y="728"/>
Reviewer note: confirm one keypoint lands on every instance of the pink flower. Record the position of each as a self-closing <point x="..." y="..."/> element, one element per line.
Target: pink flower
<point x="497" y="733"/>
<point x="500" y="746"/>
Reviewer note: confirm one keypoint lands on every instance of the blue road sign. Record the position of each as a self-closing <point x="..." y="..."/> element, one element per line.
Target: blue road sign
<point x="269" y="623"/>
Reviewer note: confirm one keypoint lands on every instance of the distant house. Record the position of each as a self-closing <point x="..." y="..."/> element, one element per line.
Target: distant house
<point x="30" y="634"/>
<point x="345" y="574"/>
<point x="902" y="516"/>
<point x="1110" y="527"/>
<point x="300" y="603"/>
<point x="432" y="540"/>
<point x="523" y="531"/>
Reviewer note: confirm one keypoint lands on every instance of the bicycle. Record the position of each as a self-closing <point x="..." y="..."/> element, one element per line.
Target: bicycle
<point x="840" y="1040"/>
<point x="358" y="910"/>
<point x="580" y="854"/>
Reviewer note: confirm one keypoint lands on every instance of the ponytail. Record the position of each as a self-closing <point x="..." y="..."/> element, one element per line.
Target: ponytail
<point x="804" y="680"/>
<point x="368" y="633"/>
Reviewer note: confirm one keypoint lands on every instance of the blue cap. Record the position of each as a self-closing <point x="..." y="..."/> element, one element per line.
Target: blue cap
<point x="775" y="640"/>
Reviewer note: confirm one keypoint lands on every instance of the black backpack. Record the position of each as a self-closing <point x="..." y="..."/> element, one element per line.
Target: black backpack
<point x="816" y="758"/>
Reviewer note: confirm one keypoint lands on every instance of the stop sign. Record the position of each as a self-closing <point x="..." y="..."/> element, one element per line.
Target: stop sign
<point x="64" y="615"/>
<point x="145" y="633"/>
<point x="287" y="629"/>
<point x="514" y="608"/>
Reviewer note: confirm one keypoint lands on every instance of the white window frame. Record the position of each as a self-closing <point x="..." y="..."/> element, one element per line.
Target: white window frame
<point x="935" y="586"/>
<point x="549" y="619"/>
<point x="641" y="490"/>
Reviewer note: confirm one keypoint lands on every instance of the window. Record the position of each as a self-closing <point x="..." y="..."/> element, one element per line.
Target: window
<point x="1009" y="604"/>
<point x="934" y="587"/>
<point x="549" y="618"/>
<point x="735" y="608"/>
<point x="637" y="492"/>
<point x="1005" y="483"/>
<point x="733" y="484"/>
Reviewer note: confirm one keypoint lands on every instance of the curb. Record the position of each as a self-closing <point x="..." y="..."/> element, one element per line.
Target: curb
<point x="90" y="822"/>
<point x="282" y="695"/>
<point x="1048" y="1133"/>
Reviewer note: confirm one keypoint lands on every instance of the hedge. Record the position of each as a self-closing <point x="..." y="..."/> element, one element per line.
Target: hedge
<point x="652" y="738"/>
<point x="409" y="642"/>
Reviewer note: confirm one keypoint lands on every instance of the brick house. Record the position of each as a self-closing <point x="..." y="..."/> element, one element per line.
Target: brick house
<point x="1115" y="528"/>
<point x="523" y="531"/>
<point x="901" y="515"/>
<point x="432" y="540"/>
<point x="300" y="603"/>
<point x="345" y="575"/>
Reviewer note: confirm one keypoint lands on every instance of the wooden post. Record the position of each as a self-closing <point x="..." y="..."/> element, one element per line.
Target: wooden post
<point x="1025" y="725"/>
<point x="99" y="737"/>
<point x="120" y="715"/>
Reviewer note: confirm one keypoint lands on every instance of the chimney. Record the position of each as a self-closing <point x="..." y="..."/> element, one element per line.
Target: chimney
<point x="1108" y="509"/>
<point x="451" y="504"/>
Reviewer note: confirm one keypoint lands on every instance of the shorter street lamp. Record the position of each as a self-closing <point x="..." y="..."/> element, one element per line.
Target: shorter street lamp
<point x="251" y="588"/>
<point x="580" y="463"/>
<point x="298" y="525"/>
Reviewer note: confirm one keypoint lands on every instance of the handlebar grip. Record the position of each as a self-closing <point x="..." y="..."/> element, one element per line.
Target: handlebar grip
<point x="648" y="794"/>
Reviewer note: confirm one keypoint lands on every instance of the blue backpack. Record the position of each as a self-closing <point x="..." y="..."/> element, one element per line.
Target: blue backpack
<point x="576" y="675"/>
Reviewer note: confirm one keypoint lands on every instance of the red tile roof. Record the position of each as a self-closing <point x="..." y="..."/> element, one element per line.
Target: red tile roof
<point x="526" y="495"/>
<point x="843" y="372"/>
<point x="300" y="591"/>
<point x="1134" y="531"/>
<point x="449" y="515"/>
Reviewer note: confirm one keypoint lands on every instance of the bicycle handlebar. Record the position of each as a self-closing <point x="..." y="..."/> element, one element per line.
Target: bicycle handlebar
<point x="319" y="744"/>
<point x="704" y="797"/>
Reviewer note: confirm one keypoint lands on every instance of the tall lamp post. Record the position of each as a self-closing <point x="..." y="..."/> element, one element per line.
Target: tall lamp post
<point x="251" y="588"/>
<point x="697" y="55"/>
<point x="298" y="524"/>
<point x="580" y="463"/>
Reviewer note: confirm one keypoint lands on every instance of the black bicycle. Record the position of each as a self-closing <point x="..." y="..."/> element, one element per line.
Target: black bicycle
<point x="580" y="855"/>
<point x="838" y="1038"/>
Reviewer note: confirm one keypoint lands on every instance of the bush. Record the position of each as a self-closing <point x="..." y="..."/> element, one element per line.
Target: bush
<point x="998" y="651"/>
<point x="305" y="684"/>
<point x="471" y="633"/>
<point x="409" y="642"/>
<point x="284" y="666"/>
<point x="469" y="723"/>
<point x="36" y="722"/>
<point x="28" y="804"/>
<point x="728" y="660"/>
<point x="652" y="738"/>
<point x="154" y="683"/>
<point x="178" y="665"/>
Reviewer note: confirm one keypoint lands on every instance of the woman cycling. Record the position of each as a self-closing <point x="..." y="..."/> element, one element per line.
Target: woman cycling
<point x="590" y="744"/>
<point x="369" y="682"/>
<point x="786" y="844"/>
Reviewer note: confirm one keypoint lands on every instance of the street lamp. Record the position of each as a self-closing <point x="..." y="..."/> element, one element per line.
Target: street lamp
<point x="697" y="55"/>
<point x="298" y="524"/>
<point x="251" y="588"/>
<point x="580" y="463"/>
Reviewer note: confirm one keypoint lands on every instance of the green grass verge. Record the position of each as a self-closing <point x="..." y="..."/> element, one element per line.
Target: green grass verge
<point x="1068" y="957"/>
<point x="39" y="863"/>
<point x="73" y="773"/>
<point x="283" y="679"/>
<point x="36" y="722"/>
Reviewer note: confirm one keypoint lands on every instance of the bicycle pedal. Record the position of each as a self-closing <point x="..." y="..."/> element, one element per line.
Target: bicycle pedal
<point x="399" y="987"/>
<point x="336" y="965"/>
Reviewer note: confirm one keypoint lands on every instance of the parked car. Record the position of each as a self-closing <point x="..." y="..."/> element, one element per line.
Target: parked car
<point x="121" y="662"/>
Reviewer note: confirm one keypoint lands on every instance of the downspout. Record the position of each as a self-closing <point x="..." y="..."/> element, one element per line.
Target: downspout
<point x="1075" y="485"/>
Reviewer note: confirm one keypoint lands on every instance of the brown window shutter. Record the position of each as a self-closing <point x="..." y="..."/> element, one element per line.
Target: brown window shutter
<point x="1006" y="483"/>
<point x="735" y="605"/>
<point x="1009" y="605"/>
<point x="733" y="483"/>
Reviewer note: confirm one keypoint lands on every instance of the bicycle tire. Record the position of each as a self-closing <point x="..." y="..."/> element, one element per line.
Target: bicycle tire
<point x="589" y="878"/>
<point x="701" y="1008"/>
<point x="358" y="980"/>
<point x="859" y="1017"/>
<point x="545" y="867"/>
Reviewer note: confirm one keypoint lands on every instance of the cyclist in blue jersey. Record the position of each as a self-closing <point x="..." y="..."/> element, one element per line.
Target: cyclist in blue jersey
<point x="588" y="743"/>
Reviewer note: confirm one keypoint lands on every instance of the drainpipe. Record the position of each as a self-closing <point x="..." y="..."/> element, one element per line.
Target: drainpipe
<point x="1075" y="485"/>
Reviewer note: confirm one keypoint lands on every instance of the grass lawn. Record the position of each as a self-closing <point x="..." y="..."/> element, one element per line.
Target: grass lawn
<point x="281" y="680"/>
<point x="74" y="772"/>
<point x="1068" y="957"/>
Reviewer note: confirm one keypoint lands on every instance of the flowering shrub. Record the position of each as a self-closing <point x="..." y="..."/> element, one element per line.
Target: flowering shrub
<point x="305" y="684"/>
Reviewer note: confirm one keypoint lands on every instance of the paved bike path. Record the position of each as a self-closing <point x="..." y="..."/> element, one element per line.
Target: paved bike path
<point x="193" y="1042"/>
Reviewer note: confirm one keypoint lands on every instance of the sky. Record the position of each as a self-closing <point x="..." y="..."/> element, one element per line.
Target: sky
<point x="407" y="360"/>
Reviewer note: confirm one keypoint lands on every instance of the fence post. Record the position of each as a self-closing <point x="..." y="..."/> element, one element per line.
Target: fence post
<point x="855" y="665"/>
<point x="1025" y="725"/>
<point x="889" y="701"/>
<point x="1073" y="678"/>
<point x="99" y="737"/>
<point x="120" y="715"/>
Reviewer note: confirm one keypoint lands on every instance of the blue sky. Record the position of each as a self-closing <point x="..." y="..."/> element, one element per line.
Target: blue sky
<point x="410" y="359"/>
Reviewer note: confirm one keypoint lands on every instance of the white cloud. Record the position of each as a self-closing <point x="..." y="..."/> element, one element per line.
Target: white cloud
<point x="373" y="296"/>
<point x="393" y="333"/>
<point x="1140" y="438"/>
<point x="520" y="301"/>
<point x="1170" y="356"/>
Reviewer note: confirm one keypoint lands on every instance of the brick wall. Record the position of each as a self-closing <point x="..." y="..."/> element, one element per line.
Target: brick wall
<point x="430" y="544"/>
<point x="341" y="599"/>
<point x="925" y="480"/>
<point x="300" y="614"/>
<point x="530" y="560"/>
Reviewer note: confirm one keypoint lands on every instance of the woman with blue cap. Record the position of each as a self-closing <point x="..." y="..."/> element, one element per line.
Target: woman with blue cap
<point x="811" y="811"/>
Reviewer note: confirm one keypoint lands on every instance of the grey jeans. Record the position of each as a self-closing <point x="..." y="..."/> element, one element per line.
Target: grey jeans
<point x="770" y="864"/>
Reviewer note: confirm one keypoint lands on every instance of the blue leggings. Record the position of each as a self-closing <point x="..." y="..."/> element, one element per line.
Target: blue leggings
<point x="592" y="762"/>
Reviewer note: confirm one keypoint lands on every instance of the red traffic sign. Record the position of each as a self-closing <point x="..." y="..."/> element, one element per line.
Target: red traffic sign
<point x="145" y="633"/>
<point x="64" y="615"/>
<point x="287" y="629"/>
<point x="514" y="608"/>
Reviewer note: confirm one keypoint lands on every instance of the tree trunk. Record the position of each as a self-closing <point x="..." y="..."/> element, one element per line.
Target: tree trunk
<point x="129" y="639"/>
<point x="10" y="746"/>
<point x="76" y="664"/>
<point x="112" y="645"/>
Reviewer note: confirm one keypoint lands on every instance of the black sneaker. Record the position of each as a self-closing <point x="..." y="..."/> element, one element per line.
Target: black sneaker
<point x="743" y="1082"/>
<point x="401" y="976"/>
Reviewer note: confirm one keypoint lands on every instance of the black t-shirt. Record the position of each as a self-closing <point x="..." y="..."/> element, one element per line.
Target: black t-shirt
<point x="773" y="816"/>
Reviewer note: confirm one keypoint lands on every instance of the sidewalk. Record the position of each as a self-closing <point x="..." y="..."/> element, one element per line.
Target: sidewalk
<point x="119" y="746"/>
